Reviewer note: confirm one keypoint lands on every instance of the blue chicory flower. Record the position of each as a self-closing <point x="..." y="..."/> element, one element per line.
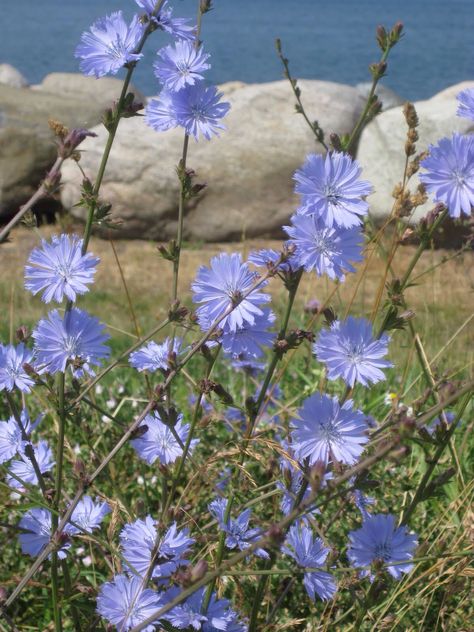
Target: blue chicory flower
<point x="221" y="287"/>
<point x="188" y="614"/>
<point x="466" y="104"/>
<point x="76" y="339"/>
<point x="163" y="20"/>
<point x="109" y="45"/>
<point x="250" y="340"/>
<point x="152" y="356"/>
<point x="180" y="65"/>
<point x="449" y="173"/>
<point x="59" y="269"/>
<point x="23" y="468"/>
<point x="326" y="431"/>
<point x="380" y="539"/>
<point x="12" y="373"/>
<point x="36" y="533"/>
<point x="309" y="552"/>
<point x="326" y="250"/>
<point x="350" y="351"/>
<point x="159" y="442"/>
<point x="87" y="515"/>
<point x="11" y="440"/>
<point x="140" y="539"/>
<point x="125" y="603"/>
<point x="197" y="108"/>
<point x="239" y="535"/>
<point x="330" y="188"/>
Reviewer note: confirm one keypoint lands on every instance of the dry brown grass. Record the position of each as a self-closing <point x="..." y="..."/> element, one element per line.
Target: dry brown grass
<point x="443" y="300"/>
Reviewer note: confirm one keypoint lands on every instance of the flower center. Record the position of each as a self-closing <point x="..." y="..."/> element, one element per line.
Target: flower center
<point x="116" y="49"/>
<point x="332" y="193"/>
<point x="183" y="68"/>
<point x="459" y="178"/>
<point x="63" y="270"/>
<point x="72" y="345"/>
<point x="329" y="431"/>
<point x="383" y="551"/>
<point x="323" y="244"/>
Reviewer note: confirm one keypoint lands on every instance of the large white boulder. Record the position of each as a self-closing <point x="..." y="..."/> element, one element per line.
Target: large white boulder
<point x="248" y="169"/>
<point x="381" y="148"/>
<point x="10" y="76"/>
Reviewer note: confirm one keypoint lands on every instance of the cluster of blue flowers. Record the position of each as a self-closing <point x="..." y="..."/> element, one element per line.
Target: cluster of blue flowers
<point x="325" y="236"/>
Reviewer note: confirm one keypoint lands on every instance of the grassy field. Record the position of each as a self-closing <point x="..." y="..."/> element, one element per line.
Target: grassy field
<point x="133" y="297"/>
<point x="442" y="299"/>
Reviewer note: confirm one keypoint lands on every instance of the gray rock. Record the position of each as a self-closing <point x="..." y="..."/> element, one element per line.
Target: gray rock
<point x="381" y="148"/>
<point x="387" y="96"/>
<point x="74" y="85"/>
<point x="248" y="169"/>
<point x="27" y="147"/>
<point x="10" y="76"/>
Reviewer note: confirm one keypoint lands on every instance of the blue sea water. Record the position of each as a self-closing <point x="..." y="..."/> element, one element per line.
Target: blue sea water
<point x="324" y="39"/>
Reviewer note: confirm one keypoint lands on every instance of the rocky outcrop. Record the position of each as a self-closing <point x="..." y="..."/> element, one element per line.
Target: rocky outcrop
<point x="10" y="76"/>
<point x="381" y="148"/>
<point x="27" y="147"/>
<point x="103" y="91"/>
<point x="248" y="170"/>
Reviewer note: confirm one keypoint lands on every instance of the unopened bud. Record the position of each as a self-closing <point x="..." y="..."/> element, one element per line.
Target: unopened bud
<point x="79" y="468"/>
<point x="396" y="32"/>
<point x="316" y="475"/>
<point x="312" y="306"/>
<point x="336" y="142"/>
<point x="198" y="571"/>
<point x="3" y="594"/>
<point x="205" y="6"/>
<point x="382" y="37"/>
<point x="73" y="139"/>
<point x="276" y="534"/>
<point x="22" y="333"/>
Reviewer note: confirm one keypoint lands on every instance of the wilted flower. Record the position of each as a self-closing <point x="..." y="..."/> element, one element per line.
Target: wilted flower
<point x="59" y="269"/>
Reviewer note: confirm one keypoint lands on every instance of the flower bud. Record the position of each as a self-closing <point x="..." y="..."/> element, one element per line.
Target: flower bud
<point x="382" y="37"/>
